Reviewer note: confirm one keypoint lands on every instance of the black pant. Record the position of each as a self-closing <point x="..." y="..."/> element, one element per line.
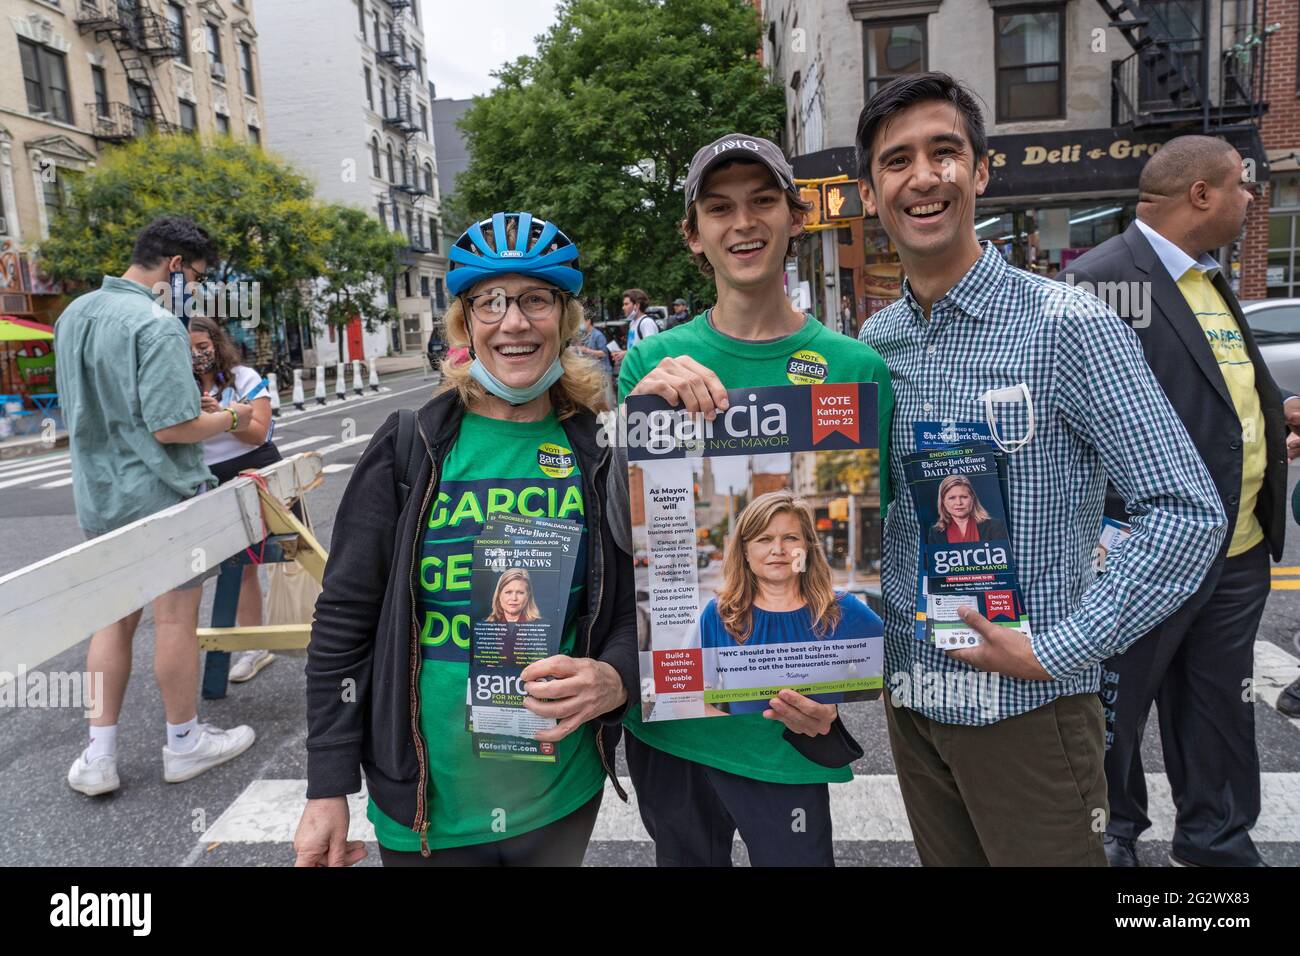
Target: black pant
<point x="259" y="457"/>
<point x="1196" y="667"/>
<point x="692" y="813"/>
<point x="562" y="843"/>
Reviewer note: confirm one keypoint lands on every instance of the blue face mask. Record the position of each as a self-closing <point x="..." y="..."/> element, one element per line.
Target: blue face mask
<point x="515" y="396"/>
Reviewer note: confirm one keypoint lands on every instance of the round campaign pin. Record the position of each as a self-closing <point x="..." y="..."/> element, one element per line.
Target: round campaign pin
<point x="806" y="367"/>
<point x="555" y="460"/>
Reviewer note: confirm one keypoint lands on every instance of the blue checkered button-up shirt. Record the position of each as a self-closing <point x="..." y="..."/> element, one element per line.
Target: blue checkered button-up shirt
<point x="1099" y="413"/>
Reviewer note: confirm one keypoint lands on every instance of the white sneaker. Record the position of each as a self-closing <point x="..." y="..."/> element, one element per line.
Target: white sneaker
<point x="93" y="777"/>
<point x="245" y="664"/>
<point x="214" y="748"/>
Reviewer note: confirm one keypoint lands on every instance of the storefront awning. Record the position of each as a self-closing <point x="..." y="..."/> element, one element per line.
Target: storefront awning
<point x="1033" y="165"/>
<point x="1056" y="163"/>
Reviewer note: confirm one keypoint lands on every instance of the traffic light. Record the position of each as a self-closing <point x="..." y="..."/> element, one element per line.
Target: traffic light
<point x="841" y="202"/>
<point x="835" y="202"/>
<point x="813" y="195"/>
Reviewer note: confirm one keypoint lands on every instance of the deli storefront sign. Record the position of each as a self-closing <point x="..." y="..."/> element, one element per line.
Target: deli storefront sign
<point x="1090" y="160"/>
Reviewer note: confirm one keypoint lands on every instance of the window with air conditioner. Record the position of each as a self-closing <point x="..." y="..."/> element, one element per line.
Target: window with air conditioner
<point x="214" y="50"/>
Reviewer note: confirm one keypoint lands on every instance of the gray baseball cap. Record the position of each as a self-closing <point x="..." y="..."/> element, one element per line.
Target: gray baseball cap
<point x="740" y="146"/>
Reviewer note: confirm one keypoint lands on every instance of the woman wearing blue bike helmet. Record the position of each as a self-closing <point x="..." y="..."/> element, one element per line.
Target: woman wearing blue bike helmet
<point x="388" y="664"/>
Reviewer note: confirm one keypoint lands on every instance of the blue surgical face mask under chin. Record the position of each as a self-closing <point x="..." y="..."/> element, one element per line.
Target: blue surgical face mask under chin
<point x="515" y="396"/>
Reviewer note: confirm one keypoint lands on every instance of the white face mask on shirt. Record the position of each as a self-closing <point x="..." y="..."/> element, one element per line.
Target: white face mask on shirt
<point x="1016" y="393"/>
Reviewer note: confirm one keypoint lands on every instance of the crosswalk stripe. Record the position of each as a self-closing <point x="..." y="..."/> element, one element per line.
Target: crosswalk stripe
<point x="25" y="465"/>
<point x="343" y="444"/>
<point x="60" y="483"/>
<point x="335" y="469"/>
<point x="870" y="808"/>
<point x="34" y="477"/>
<point x="302" y="442"/>
<point x="1274" y="670"/>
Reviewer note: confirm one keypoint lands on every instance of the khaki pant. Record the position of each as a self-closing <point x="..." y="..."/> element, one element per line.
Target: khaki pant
<point x="1029" y="790"/>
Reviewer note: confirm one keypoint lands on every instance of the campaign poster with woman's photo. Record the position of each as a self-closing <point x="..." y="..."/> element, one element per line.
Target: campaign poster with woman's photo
<point x="519" y="592"/>
<point x="756" y="541"/>
<point x="965" y="557"/>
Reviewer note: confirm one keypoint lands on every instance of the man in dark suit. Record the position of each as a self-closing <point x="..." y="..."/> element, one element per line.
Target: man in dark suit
<point x="1196" y="666"/>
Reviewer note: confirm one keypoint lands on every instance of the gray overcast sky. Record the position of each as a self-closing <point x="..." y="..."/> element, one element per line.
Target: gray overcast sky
<point x="470" y="38"/>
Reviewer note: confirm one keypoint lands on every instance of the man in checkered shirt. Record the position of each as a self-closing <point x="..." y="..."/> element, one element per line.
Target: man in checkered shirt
<point x="999" y="747"/>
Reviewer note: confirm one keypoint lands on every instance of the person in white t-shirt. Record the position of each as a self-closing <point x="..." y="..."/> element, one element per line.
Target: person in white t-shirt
<point x="222" y="380"/>
<point x="639" y="325"/>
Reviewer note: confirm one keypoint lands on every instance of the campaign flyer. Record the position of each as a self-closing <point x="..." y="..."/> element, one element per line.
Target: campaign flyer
<point x="955" y="434"/>
<point x="964" y="553"/>
<point x="749" y="534"/>
<point x="1113" y="533"/>
<point x="519" y="585"/>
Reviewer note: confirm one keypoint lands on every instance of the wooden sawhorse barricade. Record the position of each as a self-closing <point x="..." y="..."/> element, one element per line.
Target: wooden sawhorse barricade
<point x="51" y="606"/>
<point x="288" y="539"/>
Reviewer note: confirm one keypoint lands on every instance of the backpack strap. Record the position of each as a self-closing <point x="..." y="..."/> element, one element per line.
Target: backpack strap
<point x="406" y="459"/>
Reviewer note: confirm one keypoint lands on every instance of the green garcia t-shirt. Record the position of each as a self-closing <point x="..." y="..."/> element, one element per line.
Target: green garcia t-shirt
<point x="751" y="745"/>
<point x="494" y="466"/>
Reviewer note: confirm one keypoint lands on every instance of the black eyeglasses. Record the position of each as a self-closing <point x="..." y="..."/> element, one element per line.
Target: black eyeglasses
<point x="535" y="304"/>
<point x="200" y="278"/>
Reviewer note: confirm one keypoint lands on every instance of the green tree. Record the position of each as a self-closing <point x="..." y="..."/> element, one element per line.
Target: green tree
<point x="360" y="257"/>
<point x="852" y="471"/>
<point x="598" y="129"/>
<point x="261" y="213"/>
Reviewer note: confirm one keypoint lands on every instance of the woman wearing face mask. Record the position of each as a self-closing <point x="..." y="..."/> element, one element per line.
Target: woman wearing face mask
<point x="777" y="589"/>
<point x="514" y="428"/>
<point x="223" y="382"/>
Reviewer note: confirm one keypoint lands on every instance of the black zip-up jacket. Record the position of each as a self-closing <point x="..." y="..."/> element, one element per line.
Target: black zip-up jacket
<point x="363" y="706"/>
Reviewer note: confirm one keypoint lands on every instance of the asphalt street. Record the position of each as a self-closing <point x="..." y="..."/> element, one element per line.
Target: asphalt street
<point x="242" y="813"/>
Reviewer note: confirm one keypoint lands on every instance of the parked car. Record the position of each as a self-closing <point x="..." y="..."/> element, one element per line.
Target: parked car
<point x="1276" y="325"/>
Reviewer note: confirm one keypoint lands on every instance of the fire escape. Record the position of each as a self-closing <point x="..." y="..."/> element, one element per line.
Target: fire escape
<point x="410" y="193"/>
<point x="141" y="38"/>
<point x="1166" y="82"/>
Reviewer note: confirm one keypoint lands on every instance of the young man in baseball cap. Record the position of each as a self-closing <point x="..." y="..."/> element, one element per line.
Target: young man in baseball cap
<point x="698" y="781"/>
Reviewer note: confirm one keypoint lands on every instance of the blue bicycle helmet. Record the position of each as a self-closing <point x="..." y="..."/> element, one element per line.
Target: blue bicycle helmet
<point x="540" y="249"/>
